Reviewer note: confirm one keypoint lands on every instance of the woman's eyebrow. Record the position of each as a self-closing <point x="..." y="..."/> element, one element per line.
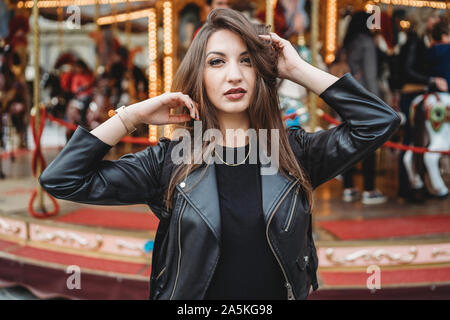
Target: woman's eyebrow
<point x="223" y="54"/>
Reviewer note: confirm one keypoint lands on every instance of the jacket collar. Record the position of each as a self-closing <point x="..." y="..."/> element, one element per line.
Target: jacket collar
<point x="203" y="196"/>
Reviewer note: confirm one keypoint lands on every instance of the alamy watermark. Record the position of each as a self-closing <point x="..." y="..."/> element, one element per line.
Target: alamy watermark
<point x="374" y="21"/>
<point x="373" y="282"/>
<point x="74" y="280"/>
<point x="74" y="19"/>
<point x="258" y="147"/>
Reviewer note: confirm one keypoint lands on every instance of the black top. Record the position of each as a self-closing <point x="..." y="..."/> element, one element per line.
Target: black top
<point x="247" y="268"/>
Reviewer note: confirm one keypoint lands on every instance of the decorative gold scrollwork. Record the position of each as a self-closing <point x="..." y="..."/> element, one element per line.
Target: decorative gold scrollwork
<point x="440" y="252"/>
<point x="69" y="237"/>
<point x="122" y="244"/>
<point x="8" y="228"/>
<point x="369" y="256"/>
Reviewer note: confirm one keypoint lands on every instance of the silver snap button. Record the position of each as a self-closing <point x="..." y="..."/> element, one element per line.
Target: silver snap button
<point x="182" y="184"/>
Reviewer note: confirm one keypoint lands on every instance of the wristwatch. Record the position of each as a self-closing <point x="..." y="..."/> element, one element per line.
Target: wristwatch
<point x="123" y="115"/>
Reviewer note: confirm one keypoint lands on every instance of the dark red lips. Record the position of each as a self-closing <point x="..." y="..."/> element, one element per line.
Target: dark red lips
<point x="236" y="90"/>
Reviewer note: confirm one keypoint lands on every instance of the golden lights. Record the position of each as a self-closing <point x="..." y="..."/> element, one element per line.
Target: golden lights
<point x="152" y="68"/>
<point x="152" y="54"/>
<point x="168" y="61"/>
<point x="67" y="3"/>
<point x="331" y="31"/>
<point x="168" y="45"/>
<point x="405" y="24"/>
<point x="122" y="17"/>
<point x="417" y="3"/>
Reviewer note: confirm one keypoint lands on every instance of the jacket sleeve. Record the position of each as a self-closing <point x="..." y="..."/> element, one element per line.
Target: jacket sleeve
<point x="79" y="173"/>
<point x="367" y="123"/>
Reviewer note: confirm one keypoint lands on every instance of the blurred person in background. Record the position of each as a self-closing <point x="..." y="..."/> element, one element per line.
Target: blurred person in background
<point x="439" y="53"/>
<point x="386" y="50"/>
<point x="361" y="52"/>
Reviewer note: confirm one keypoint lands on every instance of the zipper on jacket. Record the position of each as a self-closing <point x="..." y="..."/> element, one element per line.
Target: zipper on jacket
<point x="161" y="273"/>
<point x="179" y="249"/>
<point x="290" y="292"/>
<point x="291" y="213"/>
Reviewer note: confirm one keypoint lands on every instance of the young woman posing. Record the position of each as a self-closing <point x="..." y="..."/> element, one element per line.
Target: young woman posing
<point x="226" y="230"/>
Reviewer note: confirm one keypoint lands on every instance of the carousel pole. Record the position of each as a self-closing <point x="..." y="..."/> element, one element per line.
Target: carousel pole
<point x="168" y="57"/>
<point x="114" y="14"/>
<point x="269" y="14"/>
<point x="128" y="145"/>
<point x="128" y="25"/>
<point x="447" y="12"/>
<point x="153" y="70"/>
<point x="59" y="11"/>
<point x="36" y="98"/>
<point x="97" y="28"/>
<point x="314" y="53"/>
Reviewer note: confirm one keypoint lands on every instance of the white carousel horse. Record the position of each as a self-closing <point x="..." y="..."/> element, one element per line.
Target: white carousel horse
<point x="429" y="113"/>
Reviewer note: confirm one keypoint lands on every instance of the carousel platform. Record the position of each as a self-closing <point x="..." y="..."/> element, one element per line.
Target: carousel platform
<point x="110" y="247"/>
<point x="407" y="244"/>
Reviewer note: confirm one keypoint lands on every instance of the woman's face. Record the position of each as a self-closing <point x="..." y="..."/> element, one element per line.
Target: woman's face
<point x="228" y="67"/>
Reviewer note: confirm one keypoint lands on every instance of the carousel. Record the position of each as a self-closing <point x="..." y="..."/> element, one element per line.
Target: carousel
<point x="75" y="62"/>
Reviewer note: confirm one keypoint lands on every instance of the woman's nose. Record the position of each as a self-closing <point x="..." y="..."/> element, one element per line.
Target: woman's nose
<point x="234" y="73"/>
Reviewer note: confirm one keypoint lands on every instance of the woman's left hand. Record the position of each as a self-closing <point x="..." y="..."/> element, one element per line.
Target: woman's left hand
<point x="289" y="58"/>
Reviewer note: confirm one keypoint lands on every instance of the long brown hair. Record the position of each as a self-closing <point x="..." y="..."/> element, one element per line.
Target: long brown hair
<point x="263" y="111"/>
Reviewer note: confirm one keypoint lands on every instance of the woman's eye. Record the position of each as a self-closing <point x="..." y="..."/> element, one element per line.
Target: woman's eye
<point x="215" y="62"/>
<point x="247" y="60"/>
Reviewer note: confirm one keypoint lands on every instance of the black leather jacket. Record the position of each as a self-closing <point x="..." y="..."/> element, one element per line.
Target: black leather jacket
<point x="187" y="249"/>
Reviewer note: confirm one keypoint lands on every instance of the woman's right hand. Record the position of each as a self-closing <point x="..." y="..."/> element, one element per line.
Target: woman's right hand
<point x="156" y="110"/>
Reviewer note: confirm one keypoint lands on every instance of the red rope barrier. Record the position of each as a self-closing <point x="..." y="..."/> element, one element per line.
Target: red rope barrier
<point x="73" y="127"/>
<point x="63" y="123"/>
<point x="37" y="154"/>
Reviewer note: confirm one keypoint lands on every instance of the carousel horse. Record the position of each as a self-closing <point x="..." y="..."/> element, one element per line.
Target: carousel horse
<point x="429" y="118"/>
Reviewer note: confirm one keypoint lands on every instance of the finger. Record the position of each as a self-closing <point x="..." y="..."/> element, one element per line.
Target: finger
<point x="195" y="106"/>
<point x="274" y="38"/>
<point x="188" y="104"/>
<point x="267" y="37"/>
<point x="278" y="40"/>
<point x="197" y="110"/>
<point x="194" y="110"/>
<point x="177" y="118"/>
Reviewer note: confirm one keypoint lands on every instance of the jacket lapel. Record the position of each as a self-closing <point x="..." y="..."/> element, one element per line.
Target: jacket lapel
<point x="273" y="187"/>
<point x="203" y="196"/>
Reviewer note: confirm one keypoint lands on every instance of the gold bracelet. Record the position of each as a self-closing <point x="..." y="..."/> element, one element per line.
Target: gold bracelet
<point x="123" y="115"/>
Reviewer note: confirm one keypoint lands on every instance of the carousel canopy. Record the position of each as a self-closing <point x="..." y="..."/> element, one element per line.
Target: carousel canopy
<point x="88" y="10"/>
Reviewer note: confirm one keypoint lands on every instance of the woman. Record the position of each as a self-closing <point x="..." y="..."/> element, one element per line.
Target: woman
<point x="227" y="230"/>
<point x="362" y="59"/>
